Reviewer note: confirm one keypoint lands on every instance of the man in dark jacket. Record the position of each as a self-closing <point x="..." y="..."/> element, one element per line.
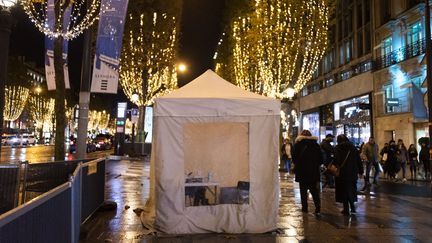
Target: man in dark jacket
<point x="328" y="151"/>
<point x="307" y="158"/>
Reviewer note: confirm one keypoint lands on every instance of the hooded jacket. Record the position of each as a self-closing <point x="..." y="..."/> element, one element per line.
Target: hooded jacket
<point x="307" y="158"/>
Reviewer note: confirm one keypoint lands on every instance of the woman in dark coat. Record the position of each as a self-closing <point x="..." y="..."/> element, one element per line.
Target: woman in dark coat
<point x="307" y="158"/>
<point x="392" y="161"/>
<point x="348" y="160"/>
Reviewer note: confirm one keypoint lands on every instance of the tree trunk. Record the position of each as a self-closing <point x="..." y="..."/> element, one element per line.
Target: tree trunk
<point x="59" y="100"/>
<point x="60" y="122"/>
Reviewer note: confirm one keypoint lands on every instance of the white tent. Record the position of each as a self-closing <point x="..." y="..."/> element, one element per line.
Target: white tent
<point x="226" y="141"/>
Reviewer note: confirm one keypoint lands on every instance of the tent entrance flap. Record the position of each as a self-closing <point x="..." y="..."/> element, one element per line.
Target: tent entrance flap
<point x="216" y="163"/>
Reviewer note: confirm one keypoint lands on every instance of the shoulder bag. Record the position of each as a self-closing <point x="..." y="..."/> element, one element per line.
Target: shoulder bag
<point x="333" y="169"/>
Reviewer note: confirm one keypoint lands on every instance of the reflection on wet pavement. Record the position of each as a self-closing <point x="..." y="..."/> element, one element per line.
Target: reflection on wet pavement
<point x="40" y="154"/>
<point x="393" y="212"/>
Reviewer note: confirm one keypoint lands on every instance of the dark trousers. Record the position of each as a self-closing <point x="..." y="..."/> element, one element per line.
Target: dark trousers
<point x="368" y="170"/>
<point x="314" y="190"/>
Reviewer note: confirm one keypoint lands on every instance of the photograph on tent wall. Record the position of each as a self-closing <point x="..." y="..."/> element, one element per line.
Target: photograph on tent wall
<point x="216" y="163"/>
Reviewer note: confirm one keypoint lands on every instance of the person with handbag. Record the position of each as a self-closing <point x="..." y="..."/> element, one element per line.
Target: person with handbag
<point x="350" y="167"/>
<point x="307" y="158"/>
<point x="412" y="155"/>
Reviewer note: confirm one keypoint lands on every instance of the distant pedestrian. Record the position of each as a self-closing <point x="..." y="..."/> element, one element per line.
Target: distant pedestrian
<point x="307" y="158"/>
<point x="413" y="162"/>
<point x="371" y="156"/>
<point x="286" y="155"/>
<point x="425" y="159"/>
<point x="348" y="160"/>
<point x="402" y="157"/>
<point x="328" y="155"/>
<point x="384" y="158"/>
<point x="392" y="163"/>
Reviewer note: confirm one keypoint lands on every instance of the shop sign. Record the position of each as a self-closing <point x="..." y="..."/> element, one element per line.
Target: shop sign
<point x="392" y="102"/>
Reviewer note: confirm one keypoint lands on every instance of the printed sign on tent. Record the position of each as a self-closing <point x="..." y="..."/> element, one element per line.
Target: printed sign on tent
<point x="49" y="48"/>
<point x="108" y="46"/>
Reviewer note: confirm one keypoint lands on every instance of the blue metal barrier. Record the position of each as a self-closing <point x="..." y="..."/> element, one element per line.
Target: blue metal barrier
<point x="93" y="179"/>
<point x="56" y="215"/>
<point x="9" y="186"/>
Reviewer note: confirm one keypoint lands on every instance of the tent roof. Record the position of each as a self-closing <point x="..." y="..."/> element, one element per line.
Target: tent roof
<point x="211" y="95"/>
<point x="210" y="85"/>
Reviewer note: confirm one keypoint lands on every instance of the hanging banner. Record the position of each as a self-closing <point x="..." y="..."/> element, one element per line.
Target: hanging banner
<point x="108" y="46"/>
<point x="49" y="48"/>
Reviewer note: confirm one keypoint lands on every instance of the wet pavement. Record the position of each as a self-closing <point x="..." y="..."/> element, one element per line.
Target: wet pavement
<point x="40" y="154"/>
<point x="392" y="212"/>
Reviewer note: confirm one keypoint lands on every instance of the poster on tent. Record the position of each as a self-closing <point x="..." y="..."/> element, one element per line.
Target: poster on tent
<point x="209" y="149"/>
<point x="49" y="48"/>
<point x="108" y="46"/>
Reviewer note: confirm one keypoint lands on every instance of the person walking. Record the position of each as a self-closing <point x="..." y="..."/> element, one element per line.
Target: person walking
<point x="350" y="166"/>
<point x="288" y="157"/>
<point x="370" y="153"/>
<point x="402" y="157"/>
<point x="384" y="158"/>
<point x="392" y="163"/>
<point x="307" y="159"/>
<point x="425" y="159"/>
<point x="412" y="156"/>
<point x="328" y="155"/>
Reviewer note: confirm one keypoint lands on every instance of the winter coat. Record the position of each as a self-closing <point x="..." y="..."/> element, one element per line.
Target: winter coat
<point x="353" y="165"/>
<point x="402" y="154"/>
<point x="424" y="154"/>
<point x="328" y="151"/>
<point x="307" y="158"/>
<point x="370" y="151"/>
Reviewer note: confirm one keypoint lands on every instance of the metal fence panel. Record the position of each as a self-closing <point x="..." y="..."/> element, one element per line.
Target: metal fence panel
<point x="9" y="186"/>
<point x="93" y="188"/>
<point x="42" y="177"/>
<point x="76" y="203"/>
<point x="47" y="222"/>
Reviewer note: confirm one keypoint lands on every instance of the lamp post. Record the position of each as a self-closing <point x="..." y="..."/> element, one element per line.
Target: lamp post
<point x="5" y="30"/>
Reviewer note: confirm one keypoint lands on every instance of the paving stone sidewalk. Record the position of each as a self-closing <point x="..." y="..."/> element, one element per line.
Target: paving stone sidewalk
<point x="392" y="212"/>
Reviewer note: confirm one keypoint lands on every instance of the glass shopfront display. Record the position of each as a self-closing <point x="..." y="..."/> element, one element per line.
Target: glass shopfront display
<point x="353" y="118"/>
<point x="311" y="123"/>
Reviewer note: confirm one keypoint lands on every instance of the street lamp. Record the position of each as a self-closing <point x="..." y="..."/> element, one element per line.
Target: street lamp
<point x="290" y="92"/>
<point x="5" y="30"/>
<point x="134" y="98"/>
<point x="182" y="67"/>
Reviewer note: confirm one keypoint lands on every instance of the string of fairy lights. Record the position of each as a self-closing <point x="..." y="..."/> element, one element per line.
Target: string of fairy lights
<point x="81" y="16"/>
<point x="149" y="51"/>
<point x="15" y="100"/>
<point x="277" y="45"/>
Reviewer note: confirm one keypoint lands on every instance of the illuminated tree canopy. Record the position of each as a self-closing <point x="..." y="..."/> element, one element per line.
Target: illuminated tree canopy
<point x="41" y="110"/>
<point x="274" y="45"/>
<point x="150" y="50"/>
<point x="15" y="100"/>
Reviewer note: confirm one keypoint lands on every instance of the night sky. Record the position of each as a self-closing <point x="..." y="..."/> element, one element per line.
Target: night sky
<point x="200" y="32"/>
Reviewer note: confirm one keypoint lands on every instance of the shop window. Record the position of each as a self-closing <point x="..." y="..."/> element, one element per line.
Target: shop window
<point x="367" y="38"/>
<point x="414" y="38"/>
<point x="388" y="94"/>
<point x="359" y="15"/>
<point x="360" y="43"/>
<point x="386" y="46"/>
<point x="367" y="11"/>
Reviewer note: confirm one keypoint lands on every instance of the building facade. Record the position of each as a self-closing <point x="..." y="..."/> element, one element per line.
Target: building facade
<point x="400" y="70"/>
<point x="338" y="99"/>
<point x="372" y="80"/>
